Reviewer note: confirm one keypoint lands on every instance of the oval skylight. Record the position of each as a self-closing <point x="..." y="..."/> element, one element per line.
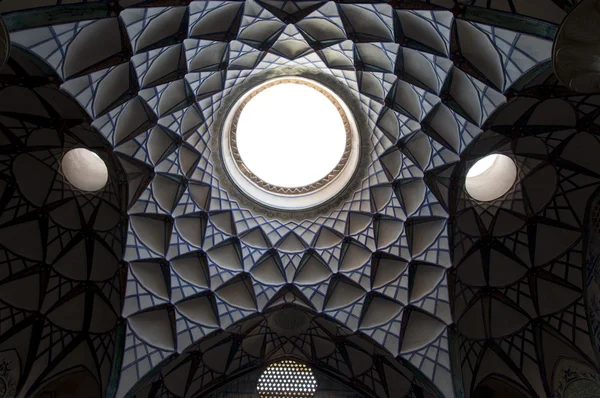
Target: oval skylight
<point x="84" y="169"/>
<point x="290" y="135"/>
<point x="491" y="177"/>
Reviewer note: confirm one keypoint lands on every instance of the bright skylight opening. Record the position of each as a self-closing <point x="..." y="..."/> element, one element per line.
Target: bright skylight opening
<point x="482" y="165"/>
<point x="491" y="177"/>
<point x="84" y="169"/>
<point x="290" y="135"/>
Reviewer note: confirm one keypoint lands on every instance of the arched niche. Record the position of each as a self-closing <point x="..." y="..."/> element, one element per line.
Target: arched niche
<point x="61" y="248"/>
<point x="287" y="332"/>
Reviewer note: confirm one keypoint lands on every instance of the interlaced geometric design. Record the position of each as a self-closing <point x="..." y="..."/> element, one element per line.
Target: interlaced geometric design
<point x="519" y="263"/>
<point x="387" y="280"/>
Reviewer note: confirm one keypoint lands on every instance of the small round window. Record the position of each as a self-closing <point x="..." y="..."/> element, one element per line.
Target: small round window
<point x="84" y="170"/>
<point x="491" y="177"/>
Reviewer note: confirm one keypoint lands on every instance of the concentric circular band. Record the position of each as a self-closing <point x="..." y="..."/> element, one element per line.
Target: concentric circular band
<point x="293" y="190"/>
<point x="280" y="198"/>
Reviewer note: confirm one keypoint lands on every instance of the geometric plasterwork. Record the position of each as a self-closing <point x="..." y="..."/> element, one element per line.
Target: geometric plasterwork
<point x="205" y="281"/>
<point x="61" y="249"/>
<point x="518" y="280"/>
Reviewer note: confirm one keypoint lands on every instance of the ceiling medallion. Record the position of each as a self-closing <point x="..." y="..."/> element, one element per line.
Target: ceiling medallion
<point x="336" y="158"/>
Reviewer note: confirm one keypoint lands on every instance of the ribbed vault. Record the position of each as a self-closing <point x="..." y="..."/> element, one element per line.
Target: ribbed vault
<point x="288" y="331"/>
<point x="62" y="249"/>
<point x="518" y="276"/>
<point x="407" y="288"/>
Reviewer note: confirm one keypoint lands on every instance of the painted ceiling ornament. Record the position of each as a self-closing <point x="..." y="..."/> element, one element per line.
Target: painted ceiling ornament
<point x="4" y="43"/>
<point x="576" y="57"/>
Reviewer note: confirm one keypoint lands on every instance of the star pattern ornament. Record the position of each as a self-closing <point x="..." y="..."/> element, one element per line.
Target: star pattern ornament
<point x="519" y="272"/>
<point x="383" y="284"/>
<point x="61" y="248"/>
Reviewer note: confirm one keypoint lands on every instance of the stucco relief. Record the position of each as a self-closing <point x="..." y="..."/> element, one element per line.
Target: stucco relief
<point x="573" y="379"/>
<point x="4" y="43"/>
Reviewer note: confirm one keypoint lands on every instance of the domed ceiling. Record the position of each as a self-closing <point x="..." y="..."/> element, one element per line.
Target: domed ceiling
<point x="166" y="284"/>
